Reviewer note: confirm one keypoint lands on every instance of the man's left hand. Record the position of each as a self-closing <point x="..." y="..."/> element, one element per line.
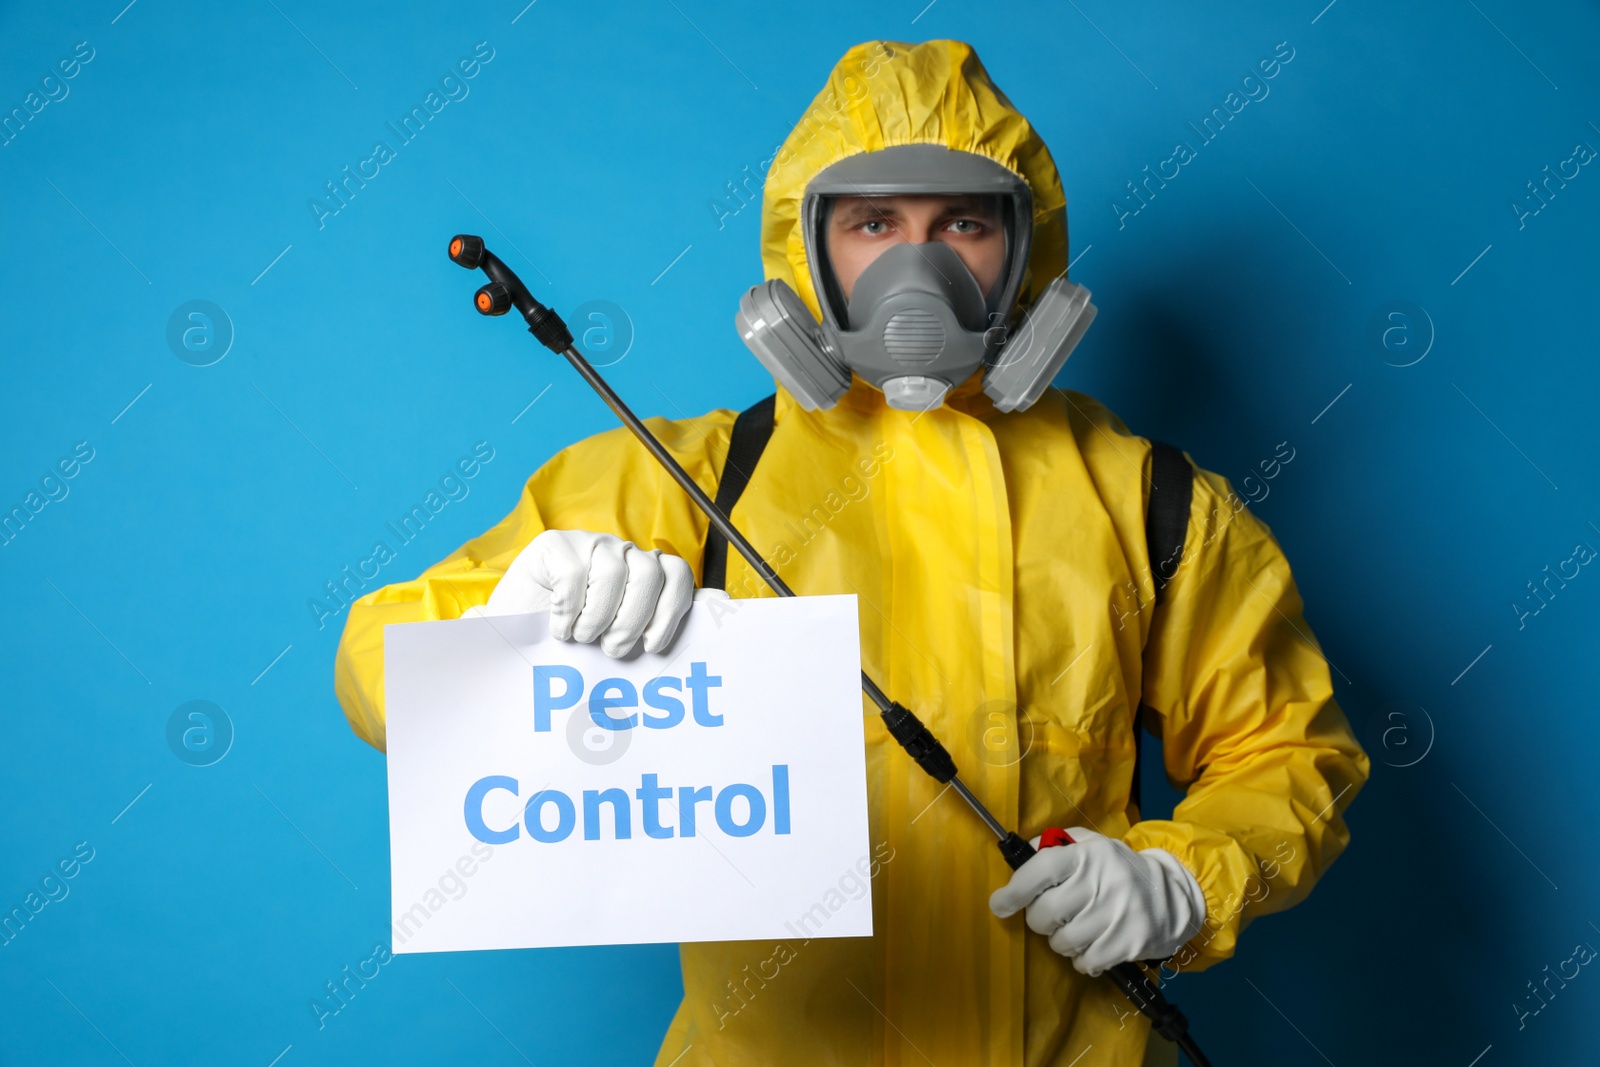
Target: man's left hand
<point x="1102" y="904"/>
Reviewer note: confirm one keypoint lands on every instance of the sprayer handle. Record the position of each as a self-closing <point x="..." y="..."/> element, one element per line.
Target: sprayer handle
<point x="1018" y="851"/>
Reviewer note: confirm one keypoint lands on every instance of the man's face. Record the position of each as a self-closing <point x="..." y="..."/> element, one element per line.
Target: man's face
<point x="860" y="228"/>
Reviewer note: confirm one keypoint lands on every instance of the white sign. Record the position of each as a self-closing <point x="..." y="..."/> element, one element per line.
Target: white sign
<point x="544" y="794"/>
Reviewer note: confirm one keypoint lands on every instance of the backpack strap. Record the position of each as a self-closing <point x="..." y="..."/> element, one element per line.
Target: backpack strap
<point x="1166" y="524"/>
<point x="751" y="431"/>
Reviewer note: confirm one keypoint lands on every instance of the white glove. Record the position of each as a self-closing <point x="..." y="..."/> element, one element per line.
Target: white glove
<point x="1103" y="904"/>
<point x="596" y="586"/>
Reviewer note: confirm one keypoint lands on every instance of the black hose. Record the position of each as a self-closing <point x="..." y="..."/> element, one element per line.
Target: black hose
<point x="1192" y="1050"/>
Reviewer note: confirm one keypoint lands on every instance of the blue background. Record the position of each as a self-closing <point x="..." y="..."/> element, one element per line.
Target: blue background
<point x="1235" y="308"/>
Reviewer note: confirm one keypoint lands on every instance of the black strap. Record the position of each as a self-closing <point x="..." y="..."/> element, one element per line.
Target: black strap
<point x="750" y="433"/>
<point x="1166" y="524"/>
<point x="1167" y="516"/>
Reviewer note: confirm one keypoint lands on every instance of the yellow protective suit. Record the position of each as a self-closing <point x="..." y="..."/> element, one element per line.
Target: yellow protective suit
<point x="1001" y="566"/>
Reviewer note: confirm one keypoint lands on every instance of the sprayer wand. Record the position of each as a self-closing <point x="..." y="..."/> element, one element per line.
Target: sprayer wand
<point x="505" y="291"/>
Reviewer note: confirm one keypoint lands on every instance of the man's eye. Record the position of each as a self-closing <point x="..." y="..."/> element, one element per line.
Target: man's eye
<point x="873" y="226"/>
<point x="967" y="226"/>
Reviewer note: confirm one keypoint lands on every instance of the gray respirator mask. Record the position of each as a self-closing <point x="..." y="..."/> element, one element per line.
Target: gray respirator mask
<point x="917" y="323"/>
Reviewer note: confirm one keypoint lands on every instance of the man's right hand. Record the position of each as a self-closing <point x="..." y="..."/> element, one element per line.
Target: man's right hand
<point x="596" y="587"/>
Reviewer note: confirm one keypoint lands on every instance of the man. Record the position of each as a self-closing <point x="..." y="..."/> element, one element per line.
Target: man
<point x="994" y="532"/>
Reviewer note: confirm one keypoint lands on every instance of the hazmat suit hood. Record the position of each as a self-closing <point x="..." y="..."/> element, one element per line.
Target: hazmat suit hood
<point x="888" y="93"/>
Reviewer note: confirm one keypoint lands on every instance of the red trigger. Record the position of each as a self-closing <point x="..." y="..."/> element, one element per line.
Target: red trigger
<point x="1054" y="836"/>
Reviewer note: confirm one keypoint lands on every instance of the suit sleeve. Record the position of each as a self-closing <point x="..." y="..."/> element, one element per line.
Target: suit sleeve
<point x="606" y="484"/>
<point x="1244" y="706"/>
